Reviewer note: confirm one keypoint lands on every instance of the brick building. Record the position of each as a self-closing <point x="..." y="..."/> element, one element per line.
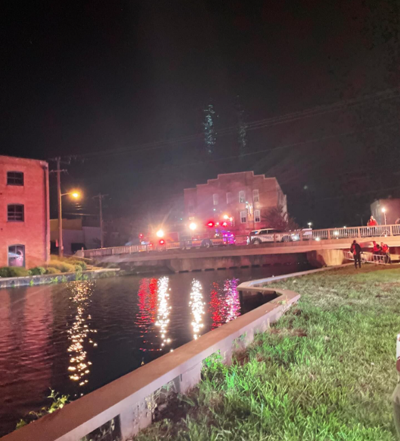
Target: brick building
<point x="24" y="214"/>
<point x="241" y="197"/>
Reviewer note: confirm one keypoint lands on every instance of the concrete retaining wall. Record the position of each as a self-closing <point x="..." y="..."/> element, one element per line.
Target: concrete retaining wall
<point x="127" y="404"/>
<point x="13" y="282"/>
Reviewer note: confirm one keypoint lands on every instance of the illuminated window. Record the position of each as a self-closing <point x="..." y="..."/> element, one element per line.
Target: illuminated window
<point x="228" y="198"/>
<point x="257" y="216"/>
<point x="243" y="216"/>
<point x="15" y="178"/>
<point x="215" y="199"/>
<point x="242" y="197"/>
<point x="15" y="213"/>
<point x="256" y="196"/>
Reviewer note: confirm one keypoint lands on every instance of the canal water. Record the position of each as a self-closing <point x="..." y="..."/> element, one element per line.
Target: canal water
<point x="74" y="338"/>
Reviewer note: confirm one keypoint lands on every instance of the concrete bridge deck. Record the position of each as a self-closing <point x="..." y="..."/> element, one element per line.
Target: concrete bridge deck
<point x="323" y="248"/>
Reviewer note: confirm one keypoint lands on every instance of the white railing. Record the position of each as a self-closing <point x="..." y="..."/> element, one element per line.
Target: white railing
<point x="367" y="257"/>
<point x="371" y="233"/>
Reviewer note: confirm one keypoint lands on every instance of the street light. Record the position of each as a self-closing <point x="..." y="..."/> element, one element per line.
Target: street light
<point x="193" y="226"/>
<point x="160" y="233"/>
<point x="309" y="224"/>
<point x="384" y="213"/>
<point x="76" y="194"/>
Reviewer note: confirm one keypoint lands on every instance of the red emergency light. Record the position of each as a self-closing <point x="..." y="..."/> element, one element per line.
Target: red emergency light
<point x="141" y="236"/>
<point x="210" y="224"/>
<point x="161" y="242"/>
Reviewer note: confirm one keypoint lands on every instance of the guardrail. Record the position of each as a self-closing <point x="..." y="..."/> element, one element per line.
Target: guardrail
<point x="379" y="231"/>
<point x="368" y="257"/>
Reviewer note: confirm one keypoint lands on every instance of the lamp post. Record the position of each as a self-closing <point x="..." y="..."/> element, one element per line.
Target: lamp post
<point x="384" y="213"/>
<point x="76" y="195"/>
<point x="309" y="224"/>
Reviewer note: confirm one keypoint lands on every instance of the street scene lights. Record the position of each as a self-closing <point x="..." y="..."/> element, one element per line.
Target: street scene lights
<point x="309" y="224"/>
<point x="193" y="226"/>
<point x="75" y="194"/>
<point x="384" y="213"/>
<point x="160" y="233"/>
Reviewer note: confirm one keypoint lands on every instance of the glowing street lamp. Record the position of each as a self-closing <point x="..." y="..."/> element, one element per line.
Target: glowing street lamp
<point x="384" y="213"/>
<point x="160" y="233"/>
<point x="193" y="226"/>
<point x="75" y="194"/>
<point x="309" y="224"/>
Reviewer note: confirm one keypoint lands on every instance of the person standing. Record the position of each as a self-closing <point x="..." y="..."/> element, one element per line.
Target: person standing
<point x="386" y="252"/>
<point x="356" y="251"/>
<point x="372" y="223"/>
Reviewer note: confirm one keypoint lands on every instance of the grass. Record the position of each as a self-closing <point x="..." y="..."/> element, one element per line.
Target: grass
<point x="325" y="371"/>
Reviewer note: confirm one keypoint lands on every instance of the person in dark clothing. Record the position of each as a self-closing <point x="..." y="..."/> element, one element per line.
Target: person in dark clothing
<point x="356" y="251"/>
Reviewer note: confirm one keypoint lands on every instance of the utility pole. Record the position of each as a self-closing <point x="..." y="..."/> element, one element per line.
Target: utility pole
<point x="60" y="237"/>
<point x="100" y="197"/>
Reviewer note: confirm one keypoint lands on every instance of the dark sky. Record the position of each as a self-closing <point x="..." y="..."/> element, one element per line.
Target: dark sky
<point x="132" y="79"/>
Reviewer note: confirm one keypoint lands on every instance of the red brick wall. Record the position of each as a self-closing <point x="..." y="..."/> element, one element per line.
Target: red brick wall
<point x="34" y="195"/>
<point x="270" y="195"/>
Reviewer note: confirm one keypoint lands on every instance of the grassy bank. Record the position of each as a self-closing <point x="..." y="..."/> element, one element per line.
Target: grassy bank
<point x="324" y="372"/>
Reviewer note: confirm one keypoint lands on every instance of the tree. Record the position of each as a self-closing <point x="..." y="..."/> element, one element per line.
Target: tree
<point x="277" y="218"/>
<point x="209" y="129"/>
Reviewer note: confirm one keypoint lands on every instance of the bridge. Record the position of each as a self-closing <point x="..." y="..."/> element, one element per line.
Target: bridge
<point x="322" y="248"/>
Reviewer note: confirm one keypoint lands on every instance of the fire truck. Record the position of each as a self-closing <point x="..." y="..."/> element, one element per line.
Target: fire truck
<point x="190" y="234"/>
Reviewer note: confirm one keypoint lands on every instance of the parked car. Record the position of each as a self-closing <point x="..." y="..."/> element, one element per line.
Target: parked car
<point x="266" y="235"/>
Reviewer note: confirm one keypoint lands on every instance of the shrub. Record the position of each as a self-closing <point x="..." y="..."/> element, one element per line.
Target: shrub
<point x="63" y="267"/>
<point x="13" y="271"/>
<point x="52" y="270"/>
<point x="37" y="271"/>
<point x="4" y="271"/>
<point x="80" y="263"/>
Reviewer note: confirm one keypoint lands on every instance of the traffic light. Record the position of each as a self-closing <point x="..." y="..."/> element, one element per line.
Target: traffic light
<point x="161" y="242"/>
<point x="210" y="224"/>
<point x="141" y="236"/>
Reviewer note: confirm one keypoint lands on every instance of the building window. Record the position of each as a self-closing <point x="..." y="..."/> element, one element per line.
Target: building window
<point x="228" y="198"/>
<point x="257" y="216"/>
<point x="16" y="255"/>
<point x="256" y="196"/>
<point x="243" y="216"/>
<point x="15" y="178"/>
<point x="242" y="197"/>
<point x="15" y="213"/>
<point x="215" y="199"/>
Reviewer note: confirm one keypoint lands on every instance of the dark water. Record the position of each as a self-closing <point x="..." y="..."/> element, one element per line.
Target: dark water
<point x="77" y="337"/>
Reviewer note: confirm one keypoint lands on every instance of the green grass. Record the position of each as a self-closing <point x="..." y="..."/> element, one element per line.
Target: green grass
<point x="325" y="371"/>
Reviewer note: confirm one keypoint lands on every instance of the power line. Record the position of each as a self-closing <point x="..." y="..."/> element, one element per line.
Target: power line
<point x="287" y="146"/>
<point x="254" y="125"/>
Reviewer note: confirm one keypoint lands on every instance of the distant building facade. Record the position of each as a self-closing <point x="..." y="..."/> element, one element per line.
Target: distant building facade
<point x="242" y="197"/>
<point x="76" y="235"/>
<point x="24" y="216"/>
<point x="392" y="211"/>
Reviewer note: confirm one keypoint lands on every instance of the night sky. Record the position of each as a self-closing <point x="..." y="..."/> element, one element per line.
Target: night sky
<point x="121" y="86"/>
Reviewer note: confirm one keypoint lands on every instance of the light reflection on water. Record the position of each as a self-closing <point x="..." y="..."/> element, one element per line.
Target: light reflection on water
<point x="163" y="310"/>
<point x="197" y="306"/>
<point x="80" y="331"/>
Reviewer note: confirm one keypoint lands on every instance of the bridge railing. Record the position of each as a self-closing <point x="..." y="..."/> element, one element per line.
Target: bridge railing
<point x="377" y="233"/>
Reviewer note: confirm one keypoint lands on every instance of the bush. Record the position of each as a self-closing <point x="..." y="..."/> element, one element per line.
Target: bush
<point x="80" y="263"/>
<point x="52" y="270"/>
<point x="37" y="271"/>
<point x="13" y="271"/>
<point x="63" y="267"/>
